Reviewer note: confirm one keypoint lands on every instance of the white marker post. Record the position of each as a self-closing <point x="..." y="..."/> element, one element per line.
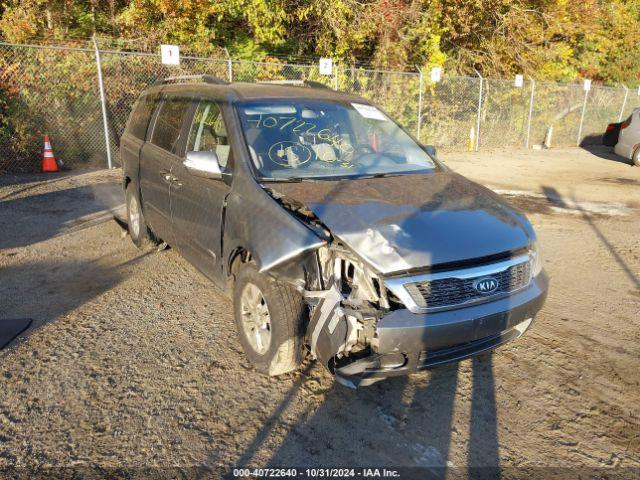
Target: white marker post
<point x="586" y="86"/>
<point x="170" y="54"/>
<point x="326" y="66"/>
<point x="479" y="109"/>
<point x="436" y="74"/>
<point x="519" y="81"/>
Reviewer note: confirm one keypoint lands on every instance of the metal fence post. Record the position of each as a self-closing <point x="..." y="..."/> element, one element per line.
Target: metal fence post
<point x="420" y="86"/>
<point x="624" y="102"/>
<point x="229" y="65"/>
<point x="584" y="108"/>
<point x="533" y="87"/>
<point x="103" y="103"/>
<point x="479" y="110"/>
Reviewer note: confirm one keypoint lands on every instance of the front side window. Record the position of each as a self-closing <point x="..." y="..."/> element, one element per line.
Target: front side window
<point x="208" y="132"/>
<point x="320" y="139"/>
<point x="168" y="124"/>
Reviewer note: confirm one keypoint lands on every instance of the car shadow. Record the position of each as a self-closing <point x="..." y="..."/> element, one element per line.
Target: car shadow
<point x="34" y="218"/>
<point x="605" y="153"/>
<point x="400" y="422"/>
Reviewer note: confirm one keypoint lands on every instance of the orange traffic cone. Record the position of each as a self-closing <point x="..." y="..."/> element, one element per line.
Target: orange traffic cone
<point x="49" y="163"/>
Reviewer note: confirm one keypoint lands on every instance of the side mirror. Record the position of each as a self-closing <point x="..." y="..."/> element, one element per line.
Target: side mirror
<point x="431" y="151"/>
<point x="203" y="164"/>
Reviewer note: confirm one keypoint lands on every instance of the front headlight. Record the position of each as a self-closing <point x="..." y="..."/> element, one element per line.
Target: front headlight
<point x="536" y="258"/>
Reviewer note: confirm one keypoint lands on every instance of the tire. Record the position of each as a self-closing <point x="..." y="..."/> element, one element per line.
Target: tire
<point x="635" y="158"/>
<point x="138" y="229"/>
<point x="287" y="314"/>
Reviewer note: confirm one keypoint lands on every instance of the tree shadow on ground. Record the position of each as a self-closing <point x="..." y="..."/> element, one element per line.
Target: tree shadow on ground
<point x="45" y="291"/>
<point x="30" y="180"/>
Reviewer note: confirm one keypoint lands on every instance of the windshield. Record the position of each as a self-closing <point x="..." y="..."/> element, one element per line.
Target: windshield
<point x="297" y="139"/>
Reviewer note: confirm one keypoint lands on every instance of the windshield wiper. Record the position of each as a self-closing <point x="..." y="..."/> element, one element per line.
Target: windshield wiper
<point x="286" y="179"/>
<point x="383" y="175"/>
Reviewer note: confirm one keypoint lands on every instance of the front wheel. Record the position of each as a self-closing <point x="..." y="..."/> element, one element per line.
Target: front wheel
<point x="269" y="318"/>
<point x="138" y="229"/>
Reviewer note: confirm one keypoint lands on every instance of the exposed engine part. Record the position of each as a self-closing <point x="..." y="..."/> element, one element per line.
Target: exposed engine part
<point x="360" y="286"/>
<point x="344" y="314"/>
<point x="302" y="213"/>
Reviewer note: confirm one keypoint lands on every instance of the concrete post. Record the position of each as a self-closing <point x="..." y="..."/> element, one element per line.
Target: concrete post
<point x="584" y="108"/>
<point x="229" y="65"/>
<point x="533" y="87"/>
<point x="420" y="87"/>
<point x="479" y="109"/>
<point x="624" y="102"/>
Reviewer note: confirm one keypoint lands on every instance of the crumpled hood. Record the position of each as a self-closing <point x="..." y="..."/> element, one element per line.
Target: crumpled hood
<point x="413" y="221"/>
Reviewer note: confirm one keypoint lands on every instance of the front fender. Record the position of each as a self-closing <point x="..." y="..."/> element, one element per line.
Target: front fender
<point x="257" y="223"/>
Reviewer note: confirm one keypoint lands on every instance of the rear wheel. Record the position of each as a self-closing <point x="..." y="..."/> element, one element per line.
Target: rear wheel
<point x="635" y="158"/>
<point x="138" y="229"/>
<point x="269" y="317"/>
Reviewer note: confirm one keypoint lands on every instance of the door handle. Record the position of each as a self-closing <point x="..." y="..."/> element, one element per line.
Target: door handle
<point x="166" y="175"/>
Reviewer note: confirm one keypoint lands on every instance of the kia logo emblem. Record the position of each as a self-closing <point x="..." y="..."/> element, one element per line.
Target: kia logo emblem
<point x="486" y="285"/>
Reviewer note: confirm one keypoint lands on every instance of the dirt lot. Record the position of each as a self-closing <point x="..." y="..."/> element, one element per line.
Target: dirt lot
<point x="134" y="360"/>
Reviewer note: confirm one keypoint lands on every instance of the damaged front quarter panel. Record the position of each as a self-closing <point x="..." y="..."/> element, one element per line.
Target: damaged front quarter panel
<point x="346" y="297"/>
<point x="255" y="222"/>
<point x="344" y="315"/>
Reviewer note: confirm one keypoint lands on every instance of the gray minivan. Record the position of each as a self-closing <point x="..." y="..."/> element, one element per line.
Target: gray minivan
<point x="334" y="230"/>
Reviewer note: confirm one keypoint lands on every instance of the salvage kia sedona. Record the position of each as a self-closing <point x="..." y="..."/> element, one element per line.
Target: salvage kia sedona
<point x="335" y="232"/>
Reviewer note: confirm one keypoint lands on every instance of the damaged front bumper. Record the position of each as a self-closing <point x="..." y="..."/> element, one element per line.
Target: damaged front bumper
<point x="406" y="342"/>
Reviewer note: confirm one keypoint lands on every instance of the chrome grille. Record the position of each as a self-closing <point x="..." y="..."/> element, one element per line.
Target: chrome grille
<point x="453" y="291"/>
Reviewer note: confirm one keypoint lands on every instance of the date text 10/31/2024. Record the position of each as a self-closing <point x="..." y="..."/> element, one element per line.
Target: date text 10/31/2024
<point x="316" y="473"/>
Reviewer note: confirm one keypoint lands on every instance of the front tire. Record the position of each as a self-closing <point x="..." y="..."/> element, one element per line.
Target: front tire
<point x="138" y="229"/>
<point x="270" y="317"/>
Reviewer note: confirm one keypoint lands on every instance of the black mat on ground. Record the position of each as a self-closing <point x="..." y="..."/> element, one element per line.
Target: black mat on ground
<point x="10" y="328"/>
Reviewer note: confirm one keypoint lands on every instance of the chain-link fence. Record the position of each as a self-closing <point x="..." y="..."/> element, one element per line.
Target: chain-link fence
<point x="55" y="91"/>
<point x="504" y="114"/>
<point x="450" y="111"/>
<point x="49" y="91"/>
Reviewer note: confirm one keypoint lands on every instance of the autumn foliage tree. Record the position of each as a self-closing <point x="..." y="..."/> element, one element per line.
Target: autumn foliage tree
<point x="547" y="39"/>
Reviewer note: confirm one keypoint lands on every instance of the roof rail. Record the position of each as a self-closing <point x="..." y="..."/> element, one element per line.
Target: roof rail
<point x="296" y="83"/>
<point x="202" y="78"/>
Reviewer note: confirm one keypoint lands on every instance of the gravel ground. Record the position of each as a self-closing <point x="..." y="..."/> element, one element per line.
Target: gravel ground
<point x="133" y="359"/>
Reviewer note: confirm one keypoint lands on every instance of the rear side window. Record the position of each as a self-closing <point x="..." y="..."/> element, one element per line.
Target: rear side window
<point x="139" y="120"/>
<point x="168" y="125"/>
